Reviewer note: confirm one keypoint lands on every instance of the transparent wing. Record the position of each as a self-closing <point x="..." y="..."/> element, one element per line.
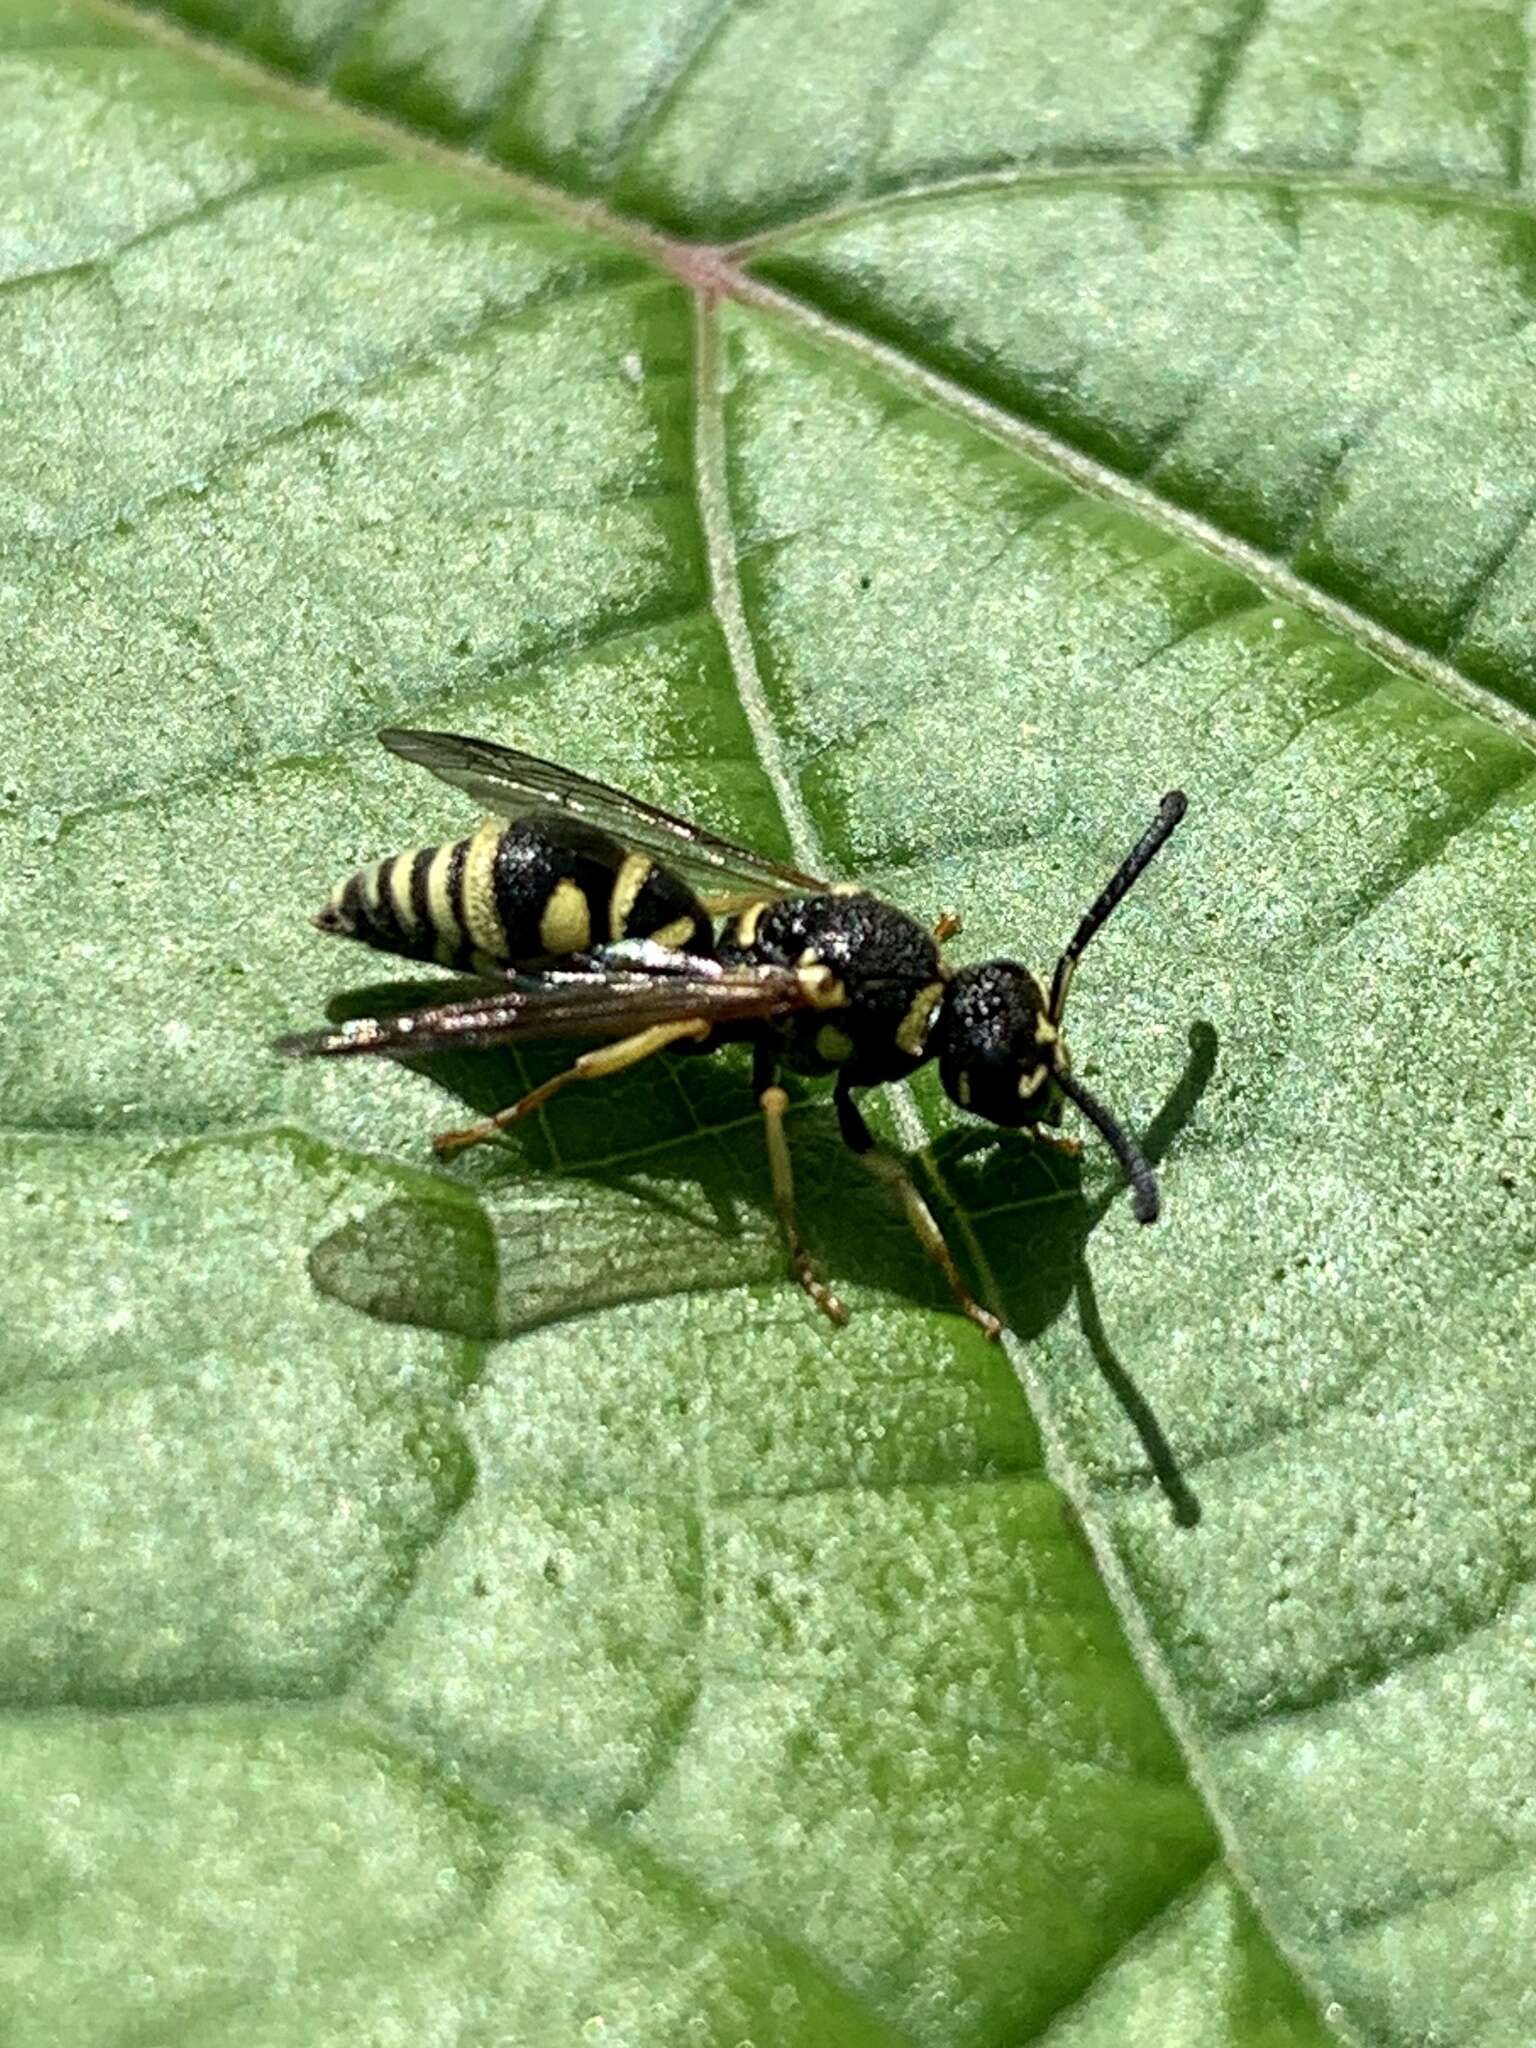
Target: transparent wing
<point x="514" y="783"/>
<point x="592" y="1001"/>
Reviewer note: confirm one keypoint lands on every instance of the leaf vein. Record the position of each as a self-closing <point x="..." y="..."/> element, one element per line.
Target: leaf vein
<point x="1100" y="479"/>
<point x="1188" y="172"/>
<point x="648" y="117"/>
<point x="718" y="525"/>
<point x="1132" y="1939"/>
<point x="243" y="766"/>
<point x="327" y="413"/>
<point x="1229" y="47"/>
<point x="330" y="164"/>
<point x="718" y="270"/>
<point x="1346" y="1683"/>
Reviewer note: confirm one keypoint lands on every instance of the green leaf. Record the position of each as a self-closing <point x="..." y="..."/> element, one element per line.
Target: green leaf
<point x="471" y="1604"/>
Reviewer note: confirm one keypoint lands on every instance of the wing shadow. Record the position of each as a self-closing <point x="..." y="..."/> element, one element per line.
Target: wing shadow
<point x="656" y="1183"/>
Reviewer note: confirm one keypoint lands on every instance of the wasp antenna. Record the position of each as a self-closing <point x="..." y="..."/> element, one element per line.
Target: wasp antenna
<point x="1169" y="812"/>
<point x="1146" y="1200"/>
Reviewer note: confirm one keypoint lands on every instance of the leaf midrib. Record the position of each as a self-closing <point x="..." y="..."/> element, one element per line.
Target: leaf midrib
<point x="719" y="271"/>
<point x="916" y="1138"/>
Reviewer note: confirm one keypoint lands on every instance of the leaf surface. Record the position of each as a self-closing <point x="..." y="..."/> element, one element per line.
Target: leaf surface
<point x="486" y="1604"/>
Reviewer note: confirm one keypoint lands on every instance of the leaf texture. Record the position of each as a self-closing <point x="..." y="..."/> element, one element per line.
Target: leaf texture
<point x="909" y="438"/>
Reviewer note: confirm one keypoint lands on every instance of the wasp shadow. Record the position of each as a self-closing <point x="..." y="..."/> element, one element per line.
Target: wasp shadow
<point x="656" y="1184"/>
<point x="653" y="1184"/>
<point x="1003" y="1199"/>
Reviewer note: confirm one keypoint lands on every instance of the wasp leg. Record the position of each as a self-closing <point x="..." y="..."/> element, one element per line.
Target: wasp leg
<point x="946" y="926"/>
<point x="773" y="1102"/>
<point x="1069" y="1148"/>
<point x="592" y="1066"/>
<point x="860" y="1139"/>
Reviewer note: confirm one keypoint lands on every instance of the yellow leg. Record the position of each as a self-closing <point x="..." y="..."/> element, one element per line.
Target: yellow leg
<point x="946" y="926"/>
<point x="592" y="1066"/>
<point x="860" y="1140"/>
<point x="773" y="1102"/>
<point x="925" y="1229"/>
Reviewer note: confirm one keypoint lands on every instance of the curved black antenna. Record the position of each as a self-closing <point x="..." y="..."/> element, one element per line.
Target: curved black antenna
<point x="1146" y="1201"/>
<point x="1169" y="812"/>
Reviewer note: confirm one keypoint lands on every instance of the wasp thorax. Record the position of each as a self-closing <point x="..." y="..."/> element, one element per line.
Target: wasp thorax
<point x="997" y="1046"/>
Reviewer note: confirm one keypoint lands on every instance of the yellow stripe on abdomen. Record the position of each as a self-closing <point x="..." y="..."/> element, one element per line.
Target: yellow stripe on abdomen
<point x="445" y="922"/>
<point x="400" y="892"/>
<point x="479" y="892"/>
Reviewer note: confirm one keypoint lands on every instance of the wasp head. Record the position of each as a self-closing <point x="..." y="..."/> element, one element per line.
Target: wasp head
<point x="1001" y="1053"/>
<point x="999" y="1048"/>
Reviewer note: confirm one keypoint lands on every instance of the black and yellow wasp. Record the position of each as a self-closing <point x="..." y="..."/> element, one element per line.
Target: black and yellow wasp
<point x="599" y="916"/>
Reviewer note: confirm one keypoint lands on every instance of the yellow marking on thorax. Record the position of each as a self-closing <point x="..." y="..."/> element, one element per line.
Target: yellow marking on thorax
<point x="833" y="1045"/>
<point x="566" y="923"/>
<point x="479" y="892"/>
<point x="627" y="884"/>
<point x="747" y="923"/>
<point x="674" y="934"/>
<point x="912" y="1031"/>
<point x="440" y="908"/>
<point x="400" y="892"/>
<point x="1029" y="1082"/>
<point x="822" y="989"/>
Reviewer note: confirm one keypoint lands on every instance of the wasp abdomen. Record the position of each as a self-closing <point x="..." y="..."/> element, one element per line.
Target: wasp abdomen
<point x="391" y="905"/>
<point x="514" y="894"/>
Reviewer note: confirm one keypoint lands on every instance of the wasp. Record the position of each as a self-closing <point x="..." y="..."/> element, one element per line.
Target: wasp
<point x="596" y="915"/>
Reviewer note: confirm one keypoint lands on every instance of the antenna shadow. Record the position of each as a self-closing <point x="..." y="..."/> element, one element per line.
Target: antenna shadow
<point x="1059" y="1222"/>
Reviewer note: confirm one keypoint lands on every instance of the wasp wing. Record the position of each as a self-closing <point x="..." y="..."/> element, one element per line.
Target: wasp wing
<point x="593" y="1001"/>
<point x="513" y="783"/>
